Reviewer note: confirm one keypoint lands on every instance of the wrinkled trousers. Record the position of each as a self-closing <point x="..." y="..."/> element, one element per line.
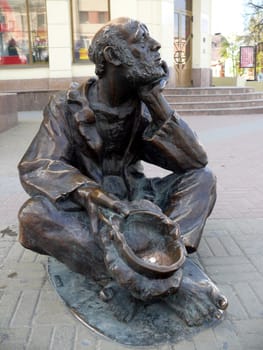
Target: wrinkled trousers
<point x="48" y="228"/>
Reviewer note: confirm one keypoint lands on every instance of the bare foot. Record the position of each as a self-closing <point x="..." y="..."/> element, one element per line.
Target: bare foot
<point x="198" y="299"/>
<point x="120" y="301"/>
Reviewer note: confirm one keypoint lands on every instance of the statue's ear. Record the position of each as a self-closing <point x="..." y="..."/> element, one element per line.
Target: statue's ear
<point x="110" y="56"/>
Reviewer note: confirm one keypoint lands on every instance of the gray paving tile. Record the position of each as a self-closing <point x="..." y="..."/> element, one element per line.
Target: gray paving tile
<point x="8" y="305"/>
<point x="206" y="340"/>
<point x="257" y="287"/>
<point x="249" y="300"/>
<point x="40" y="338"/>
<point x="216" y="246"/>
<point x="235" y="310"/>
<point x="85" y="339"/>
<point x="184" y="345"/>
<point x="250" y="333"/>
<point x="230" y="277"/>
<point x="51" y="311"/>
<point x="25" y="308"/>
<point x="14" y="338"/>
<point x="226" y="337"/>
<point x="63" y="338"/>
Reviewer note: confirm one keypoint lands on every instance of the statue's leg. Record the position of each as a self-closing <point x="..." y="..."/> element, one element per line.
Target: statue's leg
<point x="189" y="199"/>
<point x="65" y="235"/>
<point x="62" y="234"/>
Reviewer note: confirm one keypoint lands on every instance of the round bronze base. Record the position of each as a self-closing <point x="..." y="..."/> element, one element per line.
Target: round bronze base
<point x="152" y="324"/>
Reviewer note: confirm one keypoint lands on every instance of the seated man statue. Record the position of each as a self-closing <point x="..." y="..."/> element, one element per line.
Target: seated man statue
<point x="86" y="159"/>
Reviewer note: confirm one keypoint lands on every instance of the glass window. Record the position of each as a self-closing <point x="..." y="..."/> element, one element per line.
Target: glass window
<point x="185" y="5"/>
<point x="176" y="25"/>
<point x="23" y="32"/>
<point x="182" y="38"/>
<point x="87" y="18"/>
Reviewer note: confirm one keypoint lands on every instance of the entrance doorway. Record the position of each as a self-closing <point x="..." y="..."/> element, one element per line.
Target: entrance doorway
<point x="183" y="42"/>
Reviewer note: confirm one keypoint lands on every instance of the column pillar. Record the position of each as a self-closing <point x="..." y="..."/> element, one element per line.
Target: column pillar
<point x="201" y="56"/>
<point x="59" y="39"/>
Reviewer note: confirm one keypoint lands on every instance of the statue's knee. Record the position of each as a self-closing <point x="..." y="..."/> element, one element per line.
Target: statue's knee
<point x="24" y="224"/>
<point x="207" y="178"/>
<point x="29" y="218"/>
<point x="210" y="178"/>
<point x="209" y="186"/>
<point x="28" y="210"/>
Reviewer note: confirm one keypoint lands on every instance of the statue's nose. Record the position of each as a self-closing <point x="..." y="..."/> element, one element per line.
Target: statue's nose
<point x="155" y="45"/>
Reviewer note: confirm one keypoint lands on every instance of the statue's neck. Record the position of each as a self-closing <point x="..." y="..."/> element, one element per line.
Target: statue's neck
<point x="113" y="92"/>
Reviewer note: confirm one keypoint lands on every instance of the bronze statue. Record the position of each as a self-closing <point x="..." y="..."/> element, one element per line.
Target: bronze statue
<point x="92" y="207"/>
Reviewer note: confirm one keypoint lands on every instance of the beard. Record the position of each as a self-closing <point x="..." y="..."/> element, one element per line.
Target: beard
<point x="143" y="73"/>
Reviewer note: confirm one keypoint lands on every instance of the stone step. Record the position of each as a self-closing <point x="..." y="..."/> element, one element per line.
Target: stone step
<point x="218" y="104"/>
<point x="217" y="97"/>
<point x="221" y="111"/>
<point x="207" y="90"/>
<point x="215" y="100"/>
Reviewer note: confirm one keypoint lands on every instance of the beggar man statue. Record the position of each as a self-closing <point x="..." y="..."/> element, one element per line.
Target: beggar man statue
<point x="83" y="169"/>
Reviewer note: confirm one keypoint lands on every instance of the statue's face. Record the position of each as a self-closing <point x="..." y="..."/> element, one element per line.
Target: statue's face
<point x="144" y="55"/>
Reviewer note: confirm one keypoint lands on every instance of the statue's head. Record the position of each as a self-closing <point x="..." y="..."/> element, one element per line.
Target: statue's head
<point x="126" y="44"/>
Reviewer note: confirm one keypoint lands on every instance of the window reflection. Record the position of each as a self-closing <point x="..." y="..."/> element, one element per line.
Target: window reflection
<point x="38" y="27"/>
<point x="23" y="32"/>
<point x="87" y="18"/>
<point x="185" y="5"/>
<point x="176" y="25"/>
<point x="182" y="35"/>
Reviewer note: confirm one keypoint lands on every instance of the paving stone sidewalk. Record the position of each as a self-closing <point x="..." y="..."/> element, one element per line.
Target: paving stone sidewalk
<point x="32" y="317"/>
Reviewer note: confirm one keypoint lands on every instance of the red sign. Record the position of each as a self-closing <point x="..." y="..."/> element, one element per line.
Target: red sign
<point x="3" y="27"/>
<point x="247" y="56"/>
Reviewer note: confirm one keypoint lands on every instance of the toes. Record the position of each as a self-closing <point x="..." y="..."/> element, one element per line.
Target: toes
<point x="106" y="294"/>
<point x="204" y="310"/>
<point x="120" y="302"/>
<point x="198" y="302"/>
<point x="124" y="313"/>
<point x="222" y="302"/>
<point x="218" y="314"/>
<point x="200" y="313"/>
<point x="219" y="299"/>
<point x="188" y="308"/>
<point x="197" y="315"/>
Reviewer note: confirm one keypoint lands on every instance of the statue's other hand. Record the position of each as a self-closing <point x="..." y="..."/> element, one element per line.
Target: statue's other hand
<point x="121" y="208"/>
<point x="109" y="201"/>
<point x="151" y="95"/>
<point x="87" y="196"/>
<point x="163" y="81"/>
<point x="156" y="86"/>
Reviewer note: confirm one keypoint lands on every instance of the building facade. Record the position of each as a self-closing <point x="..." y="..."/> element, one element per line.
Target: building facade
<point x="44" y="43"/>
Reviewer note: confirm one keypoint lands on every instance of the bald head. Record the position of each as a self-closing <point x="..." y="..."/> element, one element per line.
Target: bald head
<point x="123" y="48"/>
<point x="114" y="34"/>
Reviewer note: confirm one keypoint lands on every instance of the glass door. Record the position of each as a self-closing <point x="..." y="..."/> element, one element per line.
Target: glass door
<point x="183" y="42"/>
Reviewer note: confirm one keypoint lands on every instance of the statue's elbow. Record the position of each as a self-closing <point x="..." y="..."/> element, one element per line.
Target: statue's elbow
<point x="21" y="168"/>
<point x="202" y="161"/>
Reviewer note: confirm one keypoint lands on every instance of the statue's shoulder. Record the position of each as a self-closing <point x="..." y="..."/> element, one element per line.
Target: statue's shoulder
<point x="65" y="104"/>
<point x="77" y="93"/>
<point x="56" y="105"/>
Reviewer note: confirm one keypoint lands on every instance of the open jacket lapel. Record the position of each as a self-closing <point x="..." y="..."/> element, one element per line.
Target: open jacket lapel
<point x="83" y="115"/>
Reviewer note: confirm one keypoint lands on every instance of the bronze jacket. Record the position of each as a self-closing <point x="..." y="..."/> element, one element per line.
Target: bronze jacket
<point x="67" y="151"/>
